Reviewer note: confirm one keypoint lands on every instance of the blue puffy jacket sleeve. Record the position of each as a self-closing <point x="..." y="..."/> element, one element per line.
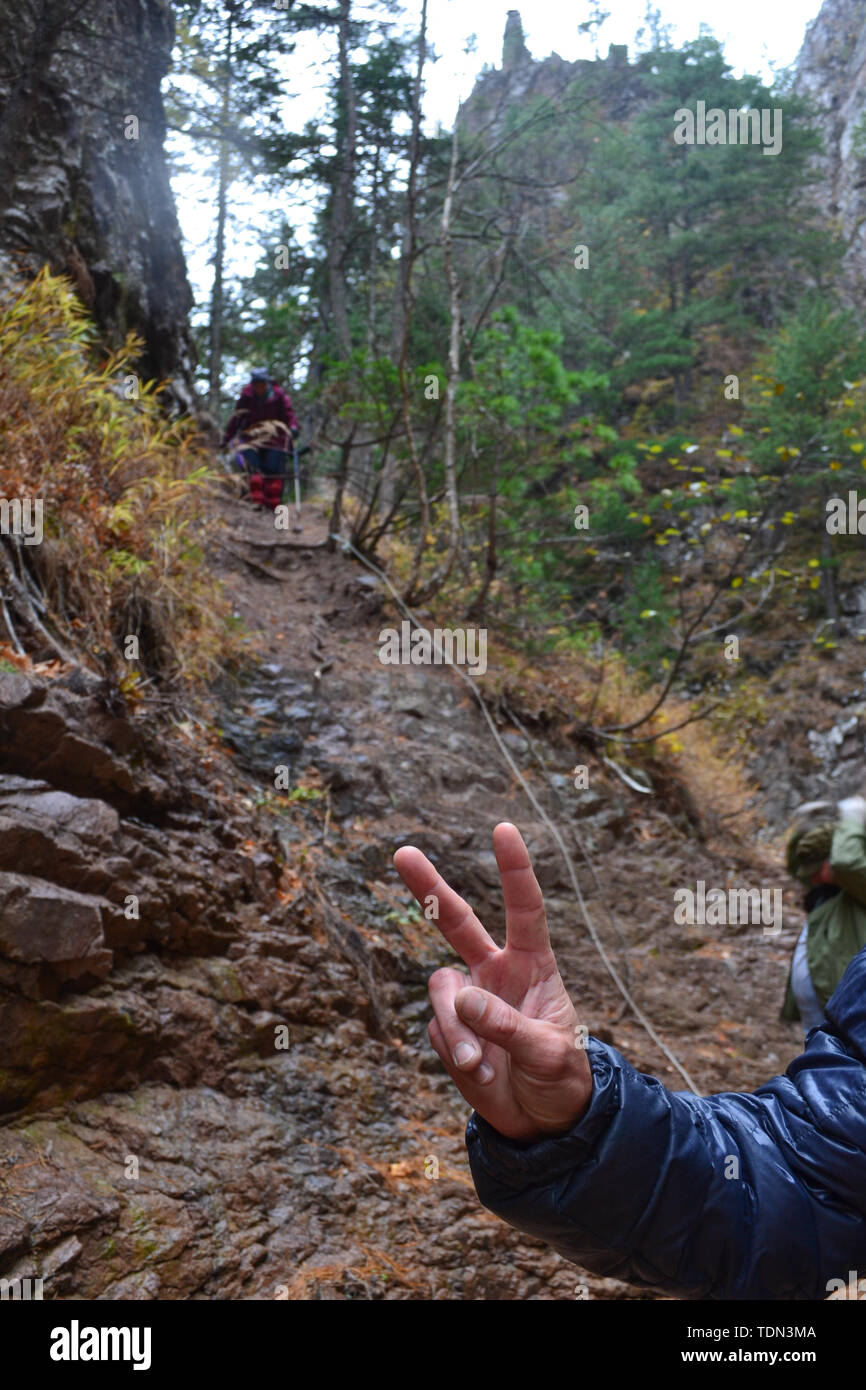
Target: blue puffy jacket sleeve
<point x="730" y="1196"/>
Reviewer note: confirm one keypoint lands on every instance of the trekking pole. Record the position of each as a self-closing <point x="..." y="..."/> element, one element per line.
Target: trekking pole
<point x="297" y="526"/>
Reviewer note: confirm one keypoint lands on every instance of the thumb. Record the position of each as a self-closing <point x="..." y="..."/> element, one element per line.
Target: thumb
<point x="497" y="1022"/>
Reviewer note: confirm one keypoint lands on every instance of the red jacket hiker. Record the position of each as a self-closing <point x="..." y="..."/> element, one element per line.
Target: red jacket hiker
<point x="253" y="409"/>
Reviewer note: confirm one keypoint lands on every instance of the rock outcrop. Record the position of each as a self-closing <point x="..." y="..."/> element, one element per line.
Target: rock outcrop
<point x="84" y="185"/>
<point x="514" y="50"/>
<point x="831" y="72"/>
<point x="612" y="81"/>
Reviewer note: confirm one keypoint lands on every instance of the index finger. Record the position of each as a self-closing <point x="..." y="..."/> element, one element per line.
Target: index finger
<point x="452" y="914"/>
<point x="525" y="919"/>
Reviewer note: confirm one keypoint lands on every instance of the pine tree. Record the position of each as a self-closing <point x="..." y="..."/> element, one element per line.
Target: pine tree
<point x="690" y="244"/>
<point x="225" y="96"/>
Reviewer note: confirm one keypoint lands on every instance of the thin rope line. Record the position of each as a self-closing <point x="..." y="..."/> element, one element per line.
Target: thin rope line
<point x="554" y="830"/>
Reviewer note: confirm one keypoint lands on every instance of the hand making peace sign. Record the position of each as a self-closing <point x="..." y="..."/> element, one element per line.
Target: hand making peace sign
<point x="510" y="1039"/>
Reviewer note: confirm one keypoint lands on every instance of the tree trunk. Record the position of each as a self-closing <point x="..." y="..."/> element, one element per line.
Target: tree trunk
<point x="341" y="206"/>
<point x="476" y="607"/>
<point x="828" y="573"/>
<point x="455" y="311"/>
<point x="336" y="520"/>
<point x="17" y="113"/>
<point x="215" y="362"/>
<point x="455" y="308"/>
<point x="402" y="308"/>
<point x="371" y="264"/>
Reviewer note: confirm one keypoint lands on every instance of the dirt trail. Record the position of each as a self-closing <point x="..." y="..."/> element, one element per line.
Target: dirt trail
<point x="408" y="758"/>
<point x="333" y="1167"/>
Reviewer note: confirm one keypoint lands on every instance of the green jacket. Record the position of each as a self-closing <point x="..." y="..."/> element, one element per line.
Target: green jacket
<point x="837" y="928"/>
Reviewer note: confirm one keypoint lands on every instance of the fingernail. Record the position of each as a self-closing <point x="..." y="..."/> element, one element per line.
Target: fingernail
<point x="485" y="1073"/>
<point x="472" y="1005"/>
<point x="464" y="1053"/>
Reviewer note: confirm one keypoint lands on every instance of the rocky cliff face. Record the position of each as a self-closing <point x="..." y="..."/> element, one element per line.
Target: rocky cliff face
<point x="613" y="81"/>
<point x="831" y="71"/>
<point x="85" y="186"/>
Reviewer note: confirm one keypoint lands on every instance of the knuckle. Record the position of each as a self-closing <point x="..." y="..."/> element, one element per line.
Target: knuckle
<point x="507" y="1022"/>
<point x="465" y="920"/>
<point x="439" y="981"/>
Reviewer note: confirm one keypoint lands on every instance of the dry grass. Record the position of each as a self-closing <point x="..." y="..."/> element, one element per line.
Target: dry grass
<point x="123" y="490"/>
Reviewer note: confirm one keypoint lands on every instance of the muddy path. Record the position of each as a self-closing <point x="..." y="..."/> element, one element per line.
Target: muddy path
<point x="233" y="1095"/>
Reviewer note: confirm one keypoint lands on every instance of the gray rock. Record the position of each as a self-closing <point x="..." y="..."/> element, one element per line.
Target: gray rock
<point x="93" y="204"/>
<point x="40" y="921"/>
<point x="830" y="71"/>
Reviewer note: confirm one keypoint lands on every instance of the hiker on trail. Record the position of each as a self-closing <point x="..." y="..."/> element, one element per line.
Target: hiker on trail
<point x="733" y="1196"/>
<point x="828" y="856"/>
<point x="265" y="425"/>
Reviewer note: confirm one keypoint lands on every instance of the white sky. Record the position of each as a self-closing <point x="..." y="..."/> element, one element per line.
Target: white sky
<point x="754" y="33"/>
<point x="756" y="36"/>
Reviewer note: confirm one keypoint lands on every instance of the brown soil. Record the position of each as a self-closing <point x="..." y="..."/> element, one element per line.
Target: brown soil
<point x="335" y="1167"/>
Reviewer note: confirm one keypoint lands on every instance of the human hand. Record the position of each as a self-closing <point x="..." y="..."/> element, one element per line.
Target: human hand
<point x="521" y="1064"/>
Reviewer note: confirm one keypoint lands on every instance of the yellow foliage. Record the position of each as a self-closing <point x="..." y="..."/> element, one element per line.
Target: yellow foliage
<point x="122" y="489"/>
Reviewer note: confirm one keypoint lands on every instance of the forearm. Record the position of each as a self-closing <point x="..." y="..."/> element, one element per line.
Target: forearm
<point x="701" y="1198"/>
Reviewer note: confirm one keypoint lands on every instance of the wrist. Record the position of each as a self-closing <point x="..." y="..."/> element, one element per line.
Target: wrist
<point x="563" y="1124"/>
<point x="569" y="1100"/>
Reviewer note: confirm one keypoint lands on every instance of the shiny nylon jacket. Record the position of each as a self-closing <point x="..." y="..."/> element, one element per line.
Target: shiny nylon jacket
<point x="730" y="1196"/>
